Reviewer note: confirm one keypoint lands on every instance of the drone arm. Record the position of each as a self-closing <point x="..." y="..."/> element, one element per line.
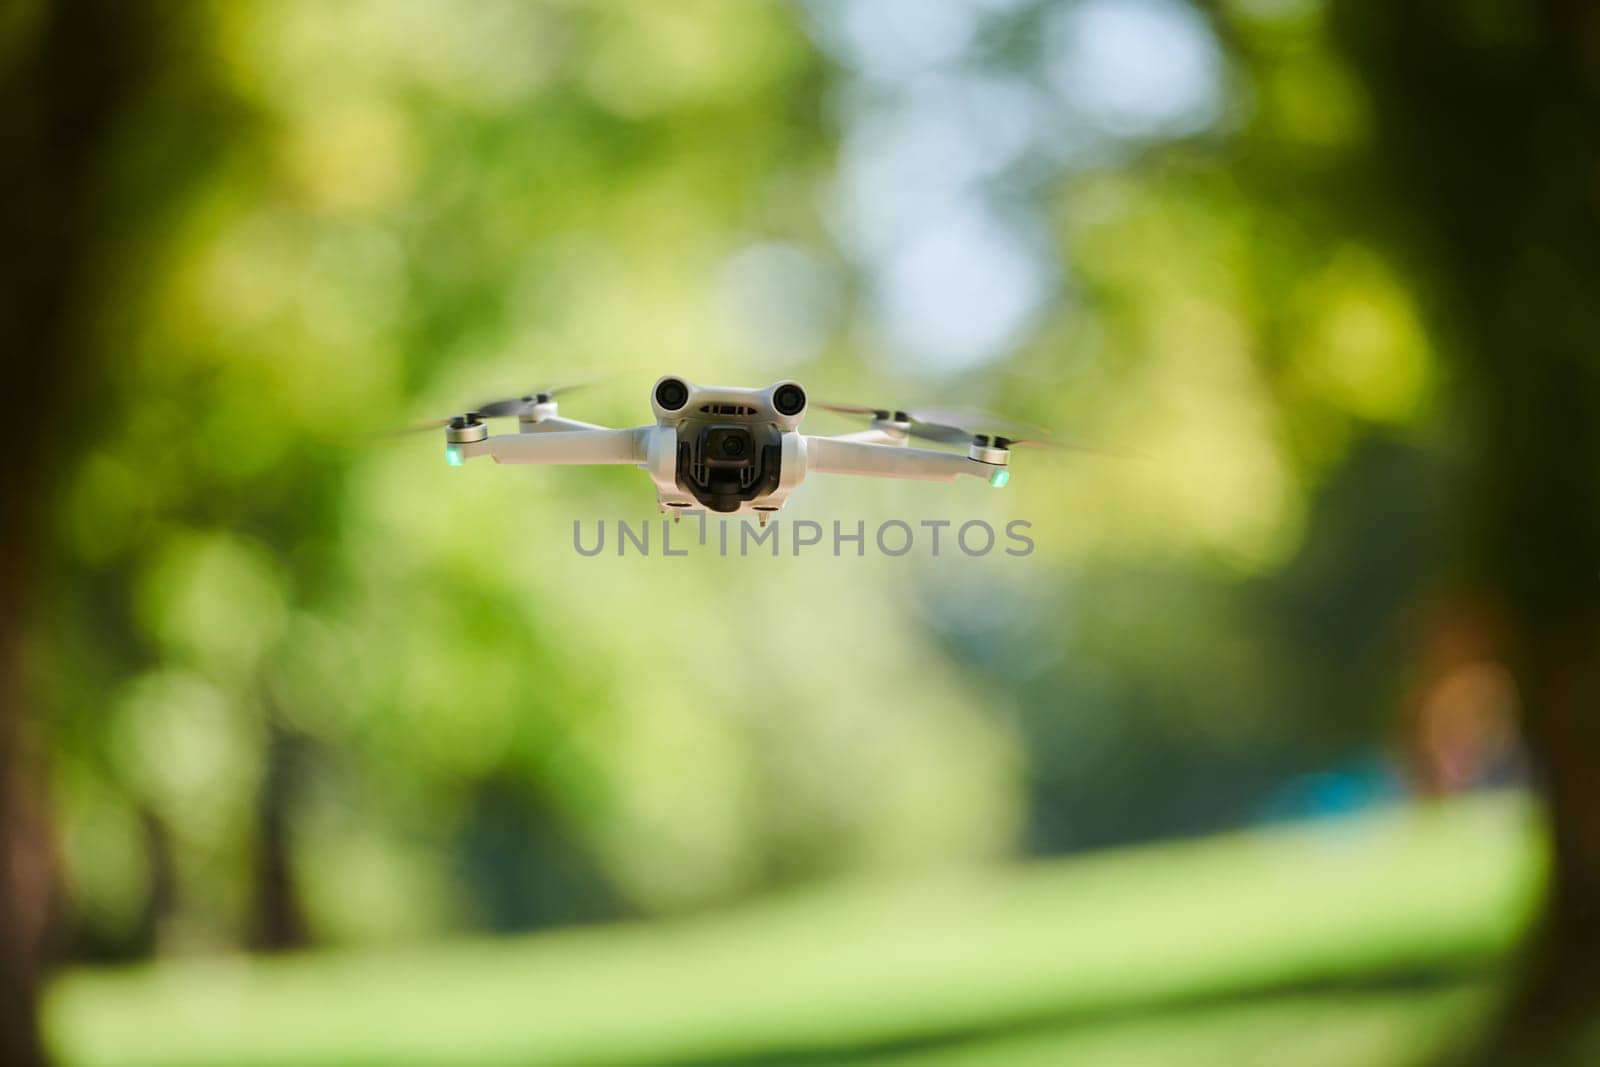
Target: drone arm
<point x="557" y="424"/>
<point x="832" y="455"/>
<point x="578" y="447"/>
<point x="874" y="436"/>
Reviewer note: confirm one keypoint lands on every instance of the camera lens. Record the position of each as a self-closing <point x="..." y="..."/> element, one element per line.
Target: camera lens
<point x="727" y="446"/>
<point x="790" y="399"/>
<point x="672" y="394"/>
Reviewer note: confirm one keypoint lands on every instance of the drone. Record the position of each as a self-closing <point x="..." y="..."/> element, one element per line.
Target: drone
<point x="737" y="451"/>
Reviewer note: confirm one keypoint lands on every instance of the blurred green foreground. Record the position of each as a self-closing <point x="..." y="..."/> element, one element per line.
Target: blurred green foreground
<point x="1363" y="940"/>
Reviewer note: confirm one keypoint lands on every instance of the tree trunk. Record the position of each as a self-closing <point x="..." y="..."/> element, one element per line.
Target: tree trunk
<point x="280" y="923"/>
<point x="1487" y="160"/>
<point x="25" y="861"/>
<point x="1553" y="1013"/>
<point x="68" y="69"/>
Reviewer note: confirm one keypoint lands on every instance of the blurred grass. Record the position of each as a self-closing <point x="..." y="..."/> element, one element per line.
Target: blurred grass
<point x="1356" y="940"/>
<point x="1305" y="1030"/>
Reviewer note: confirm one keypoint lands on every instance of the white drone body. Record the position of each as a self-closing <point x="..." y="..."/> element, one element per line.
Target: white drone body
<point x="722" y="449"/>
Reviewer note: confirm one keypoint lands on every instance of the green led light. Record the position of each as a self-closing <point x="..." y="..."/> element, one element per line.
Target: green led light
<point x="999" y="478"/>
<point x="452" y="455"/>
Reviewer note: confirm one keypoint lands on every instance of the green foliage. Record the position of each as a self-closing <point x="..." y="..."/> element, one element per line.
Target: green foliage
<point x="1163" y="952"/>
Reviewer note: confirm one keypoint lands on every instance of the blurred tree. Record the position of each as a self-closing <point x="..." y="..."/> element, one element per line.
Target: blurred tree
<point x="1486" y="166"/>
<point x="67" y="73"/>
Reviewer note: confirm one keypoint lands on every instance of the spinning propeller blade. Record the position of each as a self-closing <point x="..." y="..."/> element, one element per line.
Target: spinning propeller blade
<point x="852" y="409"/>
<point x="947" y="426"/>
<point x="491" y="409"/>
<point x="494" y="409"/>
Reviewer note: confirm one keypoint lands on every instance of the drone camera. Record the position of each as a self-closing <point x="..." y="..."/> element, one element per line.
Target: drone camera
<point x="727" y="464"/>
<point x="727" y="446"/>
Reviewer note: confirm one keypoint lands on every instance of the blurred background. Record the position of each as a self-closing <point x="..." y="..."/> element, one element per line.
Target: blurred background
<point x="316" y="750"/>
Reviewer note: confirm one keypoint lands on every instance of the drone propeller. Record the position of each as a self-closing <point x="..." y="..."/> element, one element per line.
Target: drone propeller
<point x="516" y="405"/>
<point x="853" y="409"/>
<point x="967" y="426"/>
<point x="490" y="409"/>
<point x="974" y="422"/>
<point x="951" y="427"/>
